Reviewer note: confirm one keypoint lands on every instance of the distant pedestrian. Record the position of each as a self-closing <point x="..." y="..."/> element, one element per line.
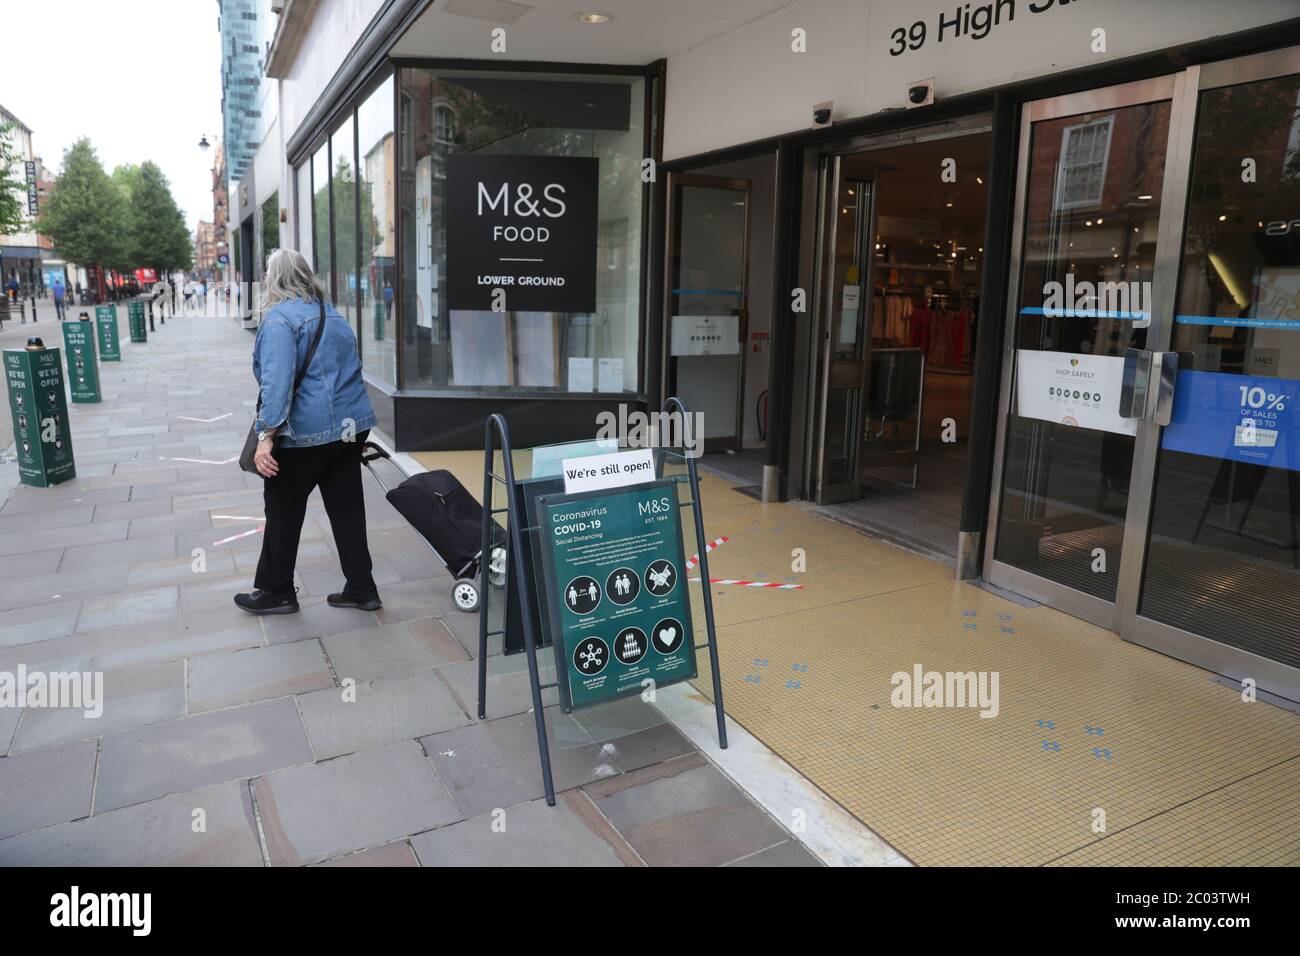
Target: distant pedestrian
<point x="388" y="299"/>
<point x="59" y="305"/>
<point x="12" y="288"/>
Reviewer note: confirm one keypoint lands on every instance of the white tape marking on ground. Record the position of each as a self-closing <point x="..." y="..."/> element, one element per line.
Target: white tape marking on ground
<point x="205" y="421"/>
<point x="236" y="537"/>
<point x="204" y="461"/>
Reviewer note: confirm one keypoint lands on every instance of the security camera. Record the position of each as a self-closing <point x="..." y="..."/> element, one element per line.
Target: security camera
<point x="822" y="114"/>
<point x="920" y="93"/>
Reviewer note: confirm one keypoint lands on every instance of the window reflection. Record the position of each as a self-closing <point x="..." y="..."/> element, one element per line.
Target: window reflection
<point x="1226" y="515"/>
<point x="1092" y="217"/>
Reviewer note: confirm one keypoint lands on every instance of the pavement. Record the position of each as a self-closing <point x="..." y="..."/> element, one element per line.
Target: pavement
<point x="337" y="737"/>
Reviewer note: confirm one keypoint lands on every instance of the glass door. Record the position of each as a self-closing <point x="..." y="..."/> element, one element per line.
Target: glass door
<point x="843" y="298"/>
<point x="1220" y="585"/>
<point x="1095" y="200"/>
<point x="707" y="306"/>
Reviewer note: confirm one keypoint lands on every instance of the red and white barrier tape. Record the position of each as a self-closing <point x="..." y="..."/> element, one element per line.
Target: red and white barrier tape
<point x="751" y="584"/>
<point x="708" y="549"/>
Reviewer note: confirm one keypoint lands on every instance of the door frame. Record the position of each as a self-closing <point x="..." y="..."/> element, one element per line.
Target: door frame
<point x="1234" y="662"/>
<point x="822" y="299"/>
<point x="672" y="251"/>
<point x="1172" y="87"/>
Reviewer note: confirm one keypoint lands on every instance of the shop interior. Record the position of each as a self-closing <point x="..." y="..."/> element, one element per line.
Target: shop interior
<point x="719" y="322"/>
<point x="911" y="219"/>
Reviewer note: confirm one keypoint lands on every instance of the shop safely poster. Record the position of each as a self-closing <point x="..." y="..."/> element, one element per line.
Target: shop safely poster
<point x="1072" y="389"/>
<point x="616" y="594"/>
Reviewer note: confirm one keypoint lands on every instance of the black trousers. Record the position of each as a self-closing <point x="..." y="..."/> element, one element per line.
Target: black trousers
<point x="336" y="469"/>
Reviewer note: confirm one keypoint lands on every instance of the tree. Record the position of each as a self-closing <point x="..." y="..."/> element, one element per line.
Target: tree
<point x="157" y="236"/>
<point x="13" y="191"/>
<point x="86" y="214"/>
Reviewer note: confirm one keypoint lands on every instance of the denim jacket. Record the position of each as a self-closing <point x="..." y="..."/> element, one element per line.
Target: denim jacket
<point x="332" y="398"/>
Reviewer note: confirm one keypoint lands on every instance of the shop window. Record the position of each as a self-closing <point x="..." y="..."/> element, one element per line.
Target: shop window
<point x="320" y="215"/>
<point x="303" y="211"/>
<point x="378" y="197"/>
<point x="270" y="226"/>
<point x="343" y="205"/>
<point x="446" y="113"/>
<point x="1085" y="149"/>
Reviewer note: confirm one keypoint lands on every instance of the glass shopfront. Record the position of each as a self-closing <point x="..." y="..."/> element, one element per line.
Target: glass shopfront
<point x="445" y="113"/>
<point x="1148" y="473"/>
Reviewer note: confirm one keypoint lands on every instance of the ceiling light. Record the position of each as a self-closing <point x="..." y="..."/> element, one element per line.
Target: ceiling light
<point x="594" y="17"/>
<point x="1144" y="197"/>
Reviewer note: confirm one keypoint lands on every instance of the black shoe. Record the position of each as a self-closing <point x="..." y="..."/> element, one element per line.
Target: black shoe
<point x="264" y="602"/>
<point x="343" y="599"/>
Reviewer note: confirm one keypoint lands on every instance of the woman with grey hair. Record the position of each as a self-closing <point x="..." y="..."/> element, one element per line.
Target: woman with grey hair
<point x="308" y="437"/>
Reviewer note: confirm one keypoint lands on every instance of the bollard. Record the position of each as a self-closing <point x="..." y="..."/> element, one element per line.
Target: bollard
<point x="110" y="349"/>
<point x="150" y="304"/>
<point x="33" y="310"/>
<point x="40" y="413"/>
<point x="83" y="369"/>
<point x="135" y="320"/>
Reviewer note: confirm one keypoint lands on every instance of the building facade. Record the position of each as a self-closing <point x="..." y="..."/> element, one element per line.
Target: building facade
<point x="24" y="254"/>
<point x="996" y="282"/>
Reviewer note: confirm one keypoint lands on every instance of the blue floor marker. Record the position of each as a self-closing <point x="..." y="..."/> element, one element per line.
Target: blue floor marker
<point x="1008" y="630"/>
<point x="968" y="613"/>
<point x="1046" y="723"/>
<point x="1089" y="729"/>
<point x="1101" y="752"/>
<point x="1052" y="745"/>
<point x="793" y="684"/>
<point x="760" y="661"/>
<point x="800" y="667"/>
<point x="752" y="678"/>
<point x="970" y="626"/>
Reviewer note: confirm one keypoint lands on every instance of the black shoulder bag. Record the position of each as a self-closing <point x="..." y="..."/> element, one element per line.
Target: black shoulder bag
<point x="250" y="443"/>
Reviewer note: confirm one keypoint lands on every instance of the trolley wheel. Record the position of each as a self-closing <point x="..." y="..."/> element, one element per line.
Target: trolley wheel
<point x="465" y="594"/>
<point x="497" y="568"/>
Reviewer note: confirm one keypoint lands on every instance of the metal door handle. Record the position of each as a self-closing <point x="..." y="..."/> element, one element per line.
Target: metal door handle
<point x="1135" y="384"/>
<point x="1164" y="373"/>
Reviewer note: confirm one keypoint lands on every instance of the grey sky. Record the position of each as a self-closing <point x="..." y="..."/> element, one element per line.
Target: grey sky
<point x="141" y="78"/>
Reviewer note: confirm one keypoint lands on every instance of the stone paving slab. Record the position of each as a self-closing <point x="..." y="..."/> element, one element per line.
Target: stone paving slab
<point x="136" y="607"/>
<point x="42" y="622"/>
<point x="42" y="588"/>
<point x="135" y="697"/>
<point x="393" y="854"/>
<point x="384" y="711"/>
<point x="9" y="717"/>
<point x="365" y="799"/>
<point x="45" y="787"/>
<point x="193" y="752"/>
<point x="31" y="564"/>
<point x="685" y="813"/>
<point x="178" y="638"/>
<point x="157" y="833"/>
<point x="315" y="619"/>
<point x="223" y="680"/>
<point x="495" y="764"/>
<point x="534" y="835"/>
<point x="392" y="649"/>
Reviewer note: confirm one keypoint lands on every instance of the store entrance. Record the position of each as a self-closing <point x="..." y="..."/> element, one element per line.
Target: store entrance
<point x="899" y="292"/>
<point x="718" y="310"/>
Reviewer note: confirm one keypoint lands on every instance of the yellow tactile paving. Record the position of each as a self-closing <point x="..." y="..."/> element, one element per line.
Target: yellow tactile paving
<point x="1185" y="772"/>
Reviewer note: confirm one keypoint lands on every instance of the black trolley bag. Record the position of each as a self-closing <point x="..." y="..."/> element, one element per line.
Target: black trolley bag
<point x="448" y="517"/>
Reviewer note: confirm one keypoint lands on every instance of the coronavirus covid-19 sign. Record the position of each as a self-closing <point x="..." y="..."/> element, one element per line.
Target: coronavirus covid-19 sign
<point x="521" y="233"/>
<point x="618" y="609"/>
